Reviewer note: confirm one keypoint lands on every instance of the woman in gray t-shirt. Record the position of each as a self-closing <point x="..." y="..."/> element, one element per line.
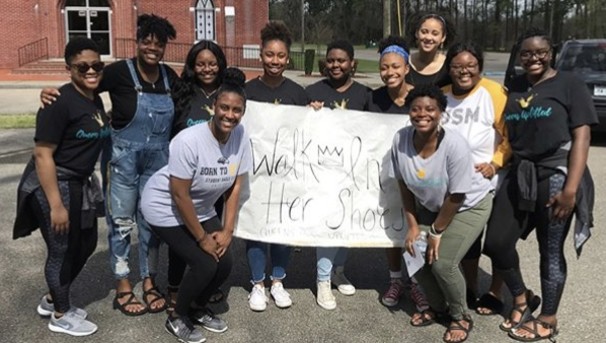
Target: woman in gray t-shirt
<point x="444" y="196"/>
<point x="206" y="162"/>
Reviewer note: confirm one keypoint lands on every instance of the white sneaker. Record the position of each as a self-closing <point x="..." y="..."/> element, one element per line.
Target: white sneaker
<point x="325" y="298"/>
<point x="45" y="309"/>
<point x="72" y="325"/>
<point x="257" y="300"/>
<point x="339" y="279"/>
<point x="280" y="295"/>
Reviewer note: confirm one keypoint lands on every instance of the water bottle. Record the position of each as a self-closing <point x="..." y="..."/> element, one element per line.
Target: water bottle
<point x="421" y="242"/>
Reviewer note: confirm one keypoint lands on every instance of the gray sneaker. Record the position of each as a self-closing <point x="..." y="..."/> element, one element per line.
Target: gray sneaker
<point x="208" y="320"/>
<point x="184" y="330"/>
<point x="72" y="325"/>
<point x="45" y="309"/>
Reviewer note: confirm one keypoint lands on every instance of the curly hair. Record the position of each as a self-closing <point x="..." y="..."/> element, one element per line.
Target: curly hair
<point x="430" y="91"/>
<point x="417" y="20"/>
<point x="469" y="47"/>
<point x="341" y="45"/>
<point x="152" y="25"/>
<point x="77" y="45"/>
<point x="275" y="30"/>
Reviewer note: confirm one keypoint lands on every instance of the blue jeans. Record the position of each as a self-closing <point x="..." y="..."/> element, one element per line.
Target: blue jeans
<point x="327" y="258"/>
<point x="257" y="259"/>
<point x="125" y="186"/>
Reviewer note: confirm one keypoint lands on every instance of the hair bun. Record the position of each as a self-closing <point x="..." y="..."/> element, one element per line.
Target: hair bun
<point x="234" y="76"/>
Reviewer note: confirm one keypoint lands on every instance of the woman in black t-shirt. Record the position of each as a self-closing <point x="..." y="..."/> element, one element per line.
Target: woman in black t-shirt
<point x="59" y="192"/>
<point x="548" y="116"/>
<point x="432" y="33"/>
<point x="272" y="87"/>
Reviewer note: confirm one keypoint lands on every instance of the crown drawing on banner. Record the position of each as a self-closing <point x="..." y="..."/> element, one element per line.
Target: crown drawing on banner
<point x="330" y="156"/>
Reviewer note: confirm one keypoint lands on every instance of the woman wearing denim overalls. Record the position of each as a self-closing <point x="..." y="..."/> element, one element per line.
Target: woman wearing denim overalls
<point x="142" y="116"/>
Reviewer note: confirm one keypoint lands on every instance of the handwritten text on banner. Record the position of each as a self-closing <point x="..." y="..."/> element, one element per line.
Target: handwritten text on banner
<point x="320" y="178"/>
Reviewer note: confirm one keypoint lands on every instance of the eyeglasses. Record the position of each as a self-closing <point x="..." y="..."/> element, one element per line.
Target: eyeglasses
<point x="82" y="68"/>
<point x="459" y="68"/>
<point x="540" y="54"/>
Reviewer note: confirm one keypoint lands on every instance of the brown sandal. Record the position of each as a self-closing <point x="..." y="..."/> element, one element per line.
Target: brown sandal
<point x="132" y="300"/>
<point x="457" y="326"/>
<point x="156" y="296"/>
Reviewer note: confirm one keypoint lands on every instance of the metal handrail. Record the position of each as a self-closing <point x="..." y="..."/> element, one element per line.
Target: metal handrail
<point x="242" y="57"/>
<point x="33" y="51"/>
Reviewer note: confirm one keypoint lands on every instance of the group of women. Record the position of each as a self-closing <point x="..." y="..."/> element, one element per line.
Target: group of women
<point x="467" y="143"/>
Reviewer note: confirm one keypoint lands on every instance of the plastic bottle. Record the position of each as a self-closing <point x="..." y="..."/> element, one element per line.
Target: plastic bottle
<point x="421" y="242"/>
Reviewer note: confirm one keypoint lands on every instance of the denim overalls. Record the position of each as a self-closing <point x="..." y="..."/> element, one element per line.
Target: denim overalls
<point x="138" y="151"/>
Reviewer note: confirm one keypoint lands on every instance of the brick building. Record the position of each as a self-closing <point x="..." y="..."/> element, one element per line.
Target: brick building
<point x="38" y="29"/>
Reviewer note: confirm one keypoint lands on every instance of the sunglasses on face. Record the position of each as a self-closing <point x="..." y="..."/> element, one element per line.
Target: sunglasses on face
<point x="82" y="68"/>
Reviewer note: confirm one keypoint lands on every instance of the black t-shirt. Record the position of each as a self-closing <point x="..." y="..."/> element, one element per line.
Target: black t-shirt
<point x="440" y="78"/>
<point x="540" y="119"/>
<point x="200" y="110"/>
<point x="353" y="98"/>
<point x="380" y="101"/>
<point x="118" y="82"/>
<point x="287" y="93"/>
<point x="77" y="125"/>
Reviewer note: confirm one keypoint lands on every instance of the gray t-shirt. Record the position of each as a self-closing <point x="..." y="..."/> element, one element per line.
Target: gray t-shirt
<point x="196" y="155"/>
<point x="449" y="170"/>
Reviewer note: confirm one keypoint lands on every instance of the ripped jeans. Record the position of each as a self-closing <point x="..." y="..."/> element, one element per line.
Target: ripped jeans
<point x="129" y="169"/>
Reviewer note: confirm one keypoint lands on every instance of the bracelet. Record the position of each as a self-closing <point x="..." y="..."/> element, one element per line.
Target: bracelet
<point x="435" y="233"/>
<point x="494" y="169"/>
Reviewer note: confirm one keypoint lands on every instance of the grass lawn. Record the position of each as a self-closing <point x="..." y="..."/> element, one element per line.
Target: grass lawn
<point x="17" y="121"/>
<point x="366" y="66"/>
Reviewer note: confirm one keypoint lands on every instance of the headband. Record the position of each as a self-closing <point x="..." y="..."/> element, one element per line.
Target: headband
<point x="434" y="16"/>
<point x="397" y="49"/>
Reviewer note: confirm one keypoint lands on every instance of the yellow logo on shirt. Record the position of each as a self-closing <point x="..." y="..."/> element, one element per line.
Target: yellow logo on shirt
<point x="233" y="168"/>
<point x="342" y="105"/>
<point x="421" y="173"/>
<point x="209" y="110"/>
<point x="525" y="102"/>
<point x="99" y="119"/>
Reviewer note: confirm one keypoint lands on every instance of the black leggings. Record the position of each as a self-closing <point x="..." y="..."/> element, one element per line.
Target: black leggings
<point x="204" y="274"/>
<point x="67" y="253"/>
<point x="176" y="266"/>
<point x="508" y="224"/>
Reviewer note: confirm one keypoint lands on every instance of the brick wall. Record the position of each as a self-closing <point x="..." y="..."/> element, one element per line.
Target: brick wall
<point x="26" y="21"/>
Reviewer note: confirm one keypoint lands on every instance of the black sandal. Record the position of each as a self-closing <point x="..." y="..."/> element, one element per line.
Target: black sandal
<point x="456" y="326"/>
<point x="534" y="330"/>
<point x="426" y="317"/>
<point x="156" y="295"/>
<point x="171" y="297"/>
<point x="525" y="309"/>
<point x="132" y="300"/>
<point x="491" y="303"/>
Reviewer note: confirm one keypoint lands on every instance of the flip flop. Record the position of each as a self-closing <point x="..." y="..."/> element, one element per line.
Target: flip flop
<point x="490" y="302"/>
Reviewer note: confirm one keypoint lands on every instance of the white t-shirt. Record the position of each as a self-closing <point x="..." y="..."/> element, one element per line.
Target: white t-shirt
<point x="449" y="170"/>
<point x="478" y="116"/>
<point x="196" y="155"/>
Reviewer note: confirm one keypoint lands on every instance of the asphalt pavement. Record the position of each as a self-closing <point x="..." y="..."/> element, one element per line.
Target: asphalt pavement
<point x="358" y="318"/>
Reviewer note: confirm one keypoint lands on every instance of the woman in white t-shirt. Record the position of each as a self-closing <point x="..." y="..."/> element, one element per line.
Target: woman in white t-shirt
<point x="206" y="162"/>
<point x="444" y="196"/>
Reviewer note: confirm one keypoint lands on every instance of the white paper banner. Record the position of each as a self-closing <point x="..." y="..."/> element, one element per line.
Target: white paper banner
<point x="320" y="178"/>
